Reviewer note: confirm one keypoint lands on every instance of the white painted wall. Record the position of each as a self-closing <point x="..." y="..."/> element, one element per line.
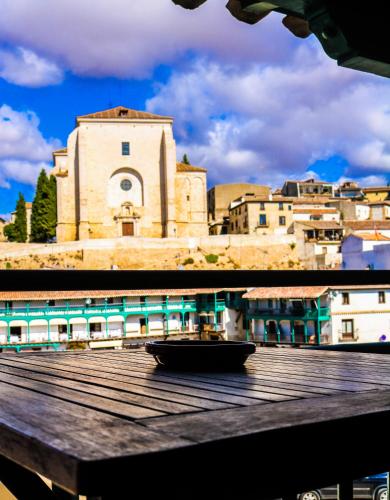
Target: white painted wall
<point x="371" y="319"/>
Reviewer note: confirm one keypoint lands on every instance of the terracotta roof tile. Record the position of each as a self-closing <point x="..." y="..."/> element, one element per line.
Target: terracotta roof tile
<point x="183" y="167"/>
<point x="286" y="292"/>
<point x="372" y="236"/>
<point x="123" y="114"/>
<point x="84" y="294"/>
<point x="320" y="224"/>
<point x="364" y="225"/>
<point x="317" y="211"/>
<point x="374" y="189"/>
<point x="62" y="151"/>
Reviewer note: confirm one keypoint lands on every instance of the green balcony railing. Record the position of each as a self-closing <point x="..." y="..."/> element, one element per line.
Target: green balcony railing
<point x="323" y="313"/>
<point x="124" y="308"/>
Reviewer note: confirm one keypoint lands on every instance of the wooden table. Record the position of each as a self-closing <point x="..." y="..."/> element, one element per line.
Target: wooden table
<point x="97" y="422"/>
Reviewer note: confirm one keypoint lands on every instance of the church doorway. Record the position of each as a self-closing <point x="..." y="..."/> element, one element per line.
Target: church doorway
<point x="127" y="228"/>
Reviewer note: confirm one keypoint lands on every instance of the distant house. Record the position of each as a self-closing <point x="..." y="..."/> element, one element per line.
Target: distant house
<point x="379" y="210"/>
<point x="367" y="226"/>
<point x="219" y="198"/>
<point x="366" y="251"/>
<point x="350" y="190"/>
<point x="309" y="187"/>
<point x="260" y="215"/>
<point x="377" y="193"/>
<point x="306" y="209"/>
<point x="319" y="243"/>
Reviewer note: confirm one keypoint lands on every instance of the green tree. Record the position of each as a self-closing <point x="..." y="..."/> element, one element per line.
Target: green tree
<point x="17" y="231"/>
<point x="52" y="215"/>
<point x="185" y="160"/>
<point x="9" y="232"/>
<point x="21" y="220"/>
<point x="41" y="210"/>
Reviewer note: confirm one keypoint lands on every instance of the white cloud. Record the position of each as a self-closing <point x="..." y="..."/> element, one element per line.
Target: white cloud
<point x="266" y="123"/>
<point x="130" y="38"/>
<point x="23" y="67"/>
<point x="23" y="149"/>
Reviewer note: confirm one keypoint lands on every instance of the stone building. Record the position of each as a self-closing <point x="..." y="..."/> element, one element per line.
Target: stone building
<point x="2" y="225"/>
<point x="219" y="198"/>
<point x="260" y="215"/>
<point x="309" y="187"/>
<point x="119" y="177"/>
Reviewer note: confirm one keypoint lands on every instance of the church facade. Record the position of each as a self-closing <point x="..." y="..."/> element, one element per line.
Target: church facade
<point x="119" y="177"/>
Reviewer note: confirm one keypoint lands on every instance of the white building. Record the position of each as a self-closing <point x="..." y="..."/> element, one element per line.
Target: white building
<point x="364" y="251"/>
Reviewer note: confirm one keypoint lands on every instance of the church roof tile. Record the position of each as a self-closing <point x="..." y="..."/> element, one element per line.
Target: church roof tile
<point x="183" y="167"/>
<point x="124" y="114"/>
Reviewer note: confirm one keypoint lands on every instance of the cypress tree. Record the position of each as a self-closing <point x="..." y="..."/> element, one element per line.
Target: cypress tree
<point x="21" y="220"/>
<point x="17" y="231"/>
<point x="41" y="209"/>
<point x="185" y="160"/>
<point x="52" y="207"/>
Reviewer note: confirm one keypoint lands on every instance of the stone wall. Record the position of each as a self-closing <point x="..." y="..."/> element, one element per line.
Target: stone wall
<point x="211" y="252"/>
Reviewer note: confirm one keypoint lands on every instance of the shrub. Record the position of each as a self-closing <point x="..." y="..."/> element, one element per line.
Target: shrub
<point x="190" y="260"/>
<point x="290" y="263"/>
<point x="292" y="246"/>
<point x="211" y="258"/>
<point x="8" y="265"/>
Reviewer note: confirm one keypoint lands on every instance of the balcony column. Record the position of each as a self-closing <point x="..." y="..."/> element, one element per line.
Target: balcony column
<point x="28" y="331"/>
<point x="106" y="325"/>
<point x="68" y="328"/>
<point x="265" y="331"/>
<point x="318" y="321"/>
<point x="292" y="332"/>
<point x="305" y="331"/>
<point x="88" y="329"/>
<point x="278" y="331"/>
<point x="167" y="320"/>
<point x="8" y="333"/>
<point x="215" y="312"/>
<point x="147" y="324"/>
<point x="183" y="324"/>
<point x="124" y="303"/>
<point x="48" y="331"/>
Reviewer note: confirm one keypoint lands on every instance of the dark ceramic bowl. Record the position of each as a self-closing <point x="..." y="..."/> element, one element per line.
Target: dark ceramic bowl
<point x="200" y="354"/>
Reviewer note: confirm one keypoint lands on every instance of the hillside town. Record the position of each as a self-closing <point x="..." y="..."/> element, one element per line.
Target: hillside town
<point x="118" y="179"/>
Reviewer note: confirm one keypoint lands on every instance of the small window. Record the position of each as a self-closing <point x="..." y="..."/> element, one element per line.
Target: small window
<point x="381" y="297"/>
<point x="270" y="303"/>
<point x="263" y="220"/>
<point x="282" y="221"/>
<point x="95" y="327"/>
<point x="51" y="303"/>
<point x="125" y="148"/>
<point x="345" y="299"/>
<point x="142" y="300"/>
<point x="64" y="329"/>
<point x="262" y="205"/>
<point x="289" y="207"/>
<point x="188" y="197"/>
<point x="347" y="329"/>
<point x="281" y="206"/>
<point x="8" y="304"/>
<point x="110" y="300"/>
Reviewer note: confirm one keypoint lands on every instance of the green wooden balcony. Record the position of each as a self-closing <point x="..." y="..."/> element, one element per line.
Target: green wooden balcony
<point x="105" y="310"/>
<point x="304" y="314"/>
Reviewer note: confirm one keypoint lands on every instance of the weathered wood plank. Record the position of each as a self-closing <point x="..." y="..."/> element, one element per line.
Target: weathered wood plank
<point x="156" y="378"/>
<point x="103" y="392"/>
<point x="119" y="383"/>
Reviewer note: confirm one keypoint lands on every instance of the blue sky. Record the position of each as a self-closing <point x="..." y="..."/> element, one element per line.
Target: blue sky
<point x="251" y="103"/>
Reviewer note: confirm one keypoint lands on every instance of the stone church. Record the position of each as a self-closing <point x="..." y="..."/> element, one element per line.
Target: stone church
<point x="119" y="177"/>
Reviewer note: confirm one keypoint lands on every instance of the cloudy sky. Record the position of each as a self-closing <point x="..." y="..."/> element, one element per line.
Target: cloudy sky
<point x="251" y="103"/>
